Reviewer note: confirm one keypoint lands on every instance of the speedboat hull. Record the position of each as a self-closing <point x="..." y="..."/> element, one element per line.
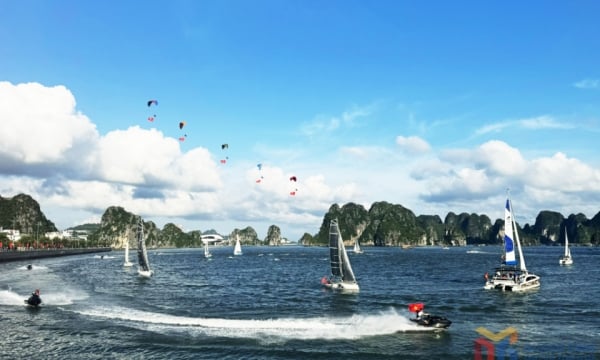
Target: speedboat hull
<point x="433" y="321"/>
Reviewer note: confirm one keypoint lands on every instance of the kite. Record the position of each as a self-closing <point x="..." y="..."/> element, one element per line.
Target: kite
<point x="150" y="102"/>
<point x="181" y="124"/>
<point x="293" y="178"/>
<point x="225" y="146"/>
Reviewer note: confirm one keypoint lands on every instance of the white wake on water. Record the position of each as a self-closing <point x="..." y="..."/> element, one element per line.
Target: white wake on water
<point x="64" y="297"/>
<point x="325" y="328"/>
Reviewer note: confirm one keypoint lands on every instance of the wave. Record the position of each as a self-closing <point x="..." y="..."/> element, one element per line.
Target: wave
<point x="33" y="267"/>
<point x="65" y="297"/>
<point x="322" y="328"/>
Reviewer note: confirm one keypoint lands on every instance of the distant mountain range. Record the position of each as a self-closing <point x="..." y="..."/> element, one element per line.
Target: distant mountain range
<point x="383" y="224"/>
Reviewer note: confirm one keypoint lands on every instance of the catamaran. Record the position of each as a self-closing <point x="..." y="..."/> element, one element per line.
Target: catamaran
<point x="566" y="259"/>
<point x="342" y="276"/>
<point x="238" y="247"/>
<point x="511" y="275"/>
<point x="144" y="265"/>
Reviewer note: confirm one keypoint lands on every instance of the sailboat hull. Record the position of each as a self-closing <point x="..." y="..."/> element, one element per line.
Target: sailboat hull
<point x="145" y="274"/>
<point x="342" y="286"/>
<point x="565" y="261"/>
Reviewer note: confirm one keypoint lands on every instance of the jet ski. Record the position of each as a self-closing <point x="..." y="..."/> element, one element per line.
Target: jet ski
<point x="34" y="300"/>
<point x="434" y="321"/>
<point x="427" y="320"/>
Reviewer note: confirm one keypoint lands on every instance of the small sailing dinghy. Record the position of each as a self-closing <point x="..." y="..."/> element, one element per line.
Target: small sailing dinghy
<point x="238" y="247"/>
<point x="127" y="263"/>
<point x="511" y="275"/>
<point x="566" y="259"/>
<point x="207" y="253"/>
<point x="357" y="249"/>
<point x="342" y="276"/>
<point x="143" y="263"/>
<point x="424" y="319"/>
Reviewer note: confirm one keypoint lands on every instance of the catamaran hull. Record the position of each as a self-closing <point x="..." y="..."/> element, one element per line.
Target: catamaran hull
<point x="531" y="282"/>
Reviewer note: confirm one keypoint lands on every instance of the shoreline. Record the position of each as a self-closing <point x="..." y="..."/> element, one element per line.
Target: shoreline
<point x="6" y="256"/>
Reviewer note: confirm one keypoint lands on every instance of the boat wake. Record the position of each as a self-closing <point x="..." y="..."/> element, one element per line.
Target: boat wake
<point x="270" y="330"/>
<point x="66" y="297"/>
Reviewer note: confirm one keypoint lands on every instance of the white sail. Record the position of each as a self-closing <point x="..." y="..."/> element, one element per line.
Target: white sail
<point x="127" y="263"/>
<point x="207" y="253"/>
<point x="238" y="247"/>
<point x="357" y="249"/>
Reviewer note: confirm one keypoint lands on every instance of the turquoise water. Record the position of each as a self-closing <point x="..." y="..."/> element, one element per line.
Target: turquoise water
<point x="268" y="303"/>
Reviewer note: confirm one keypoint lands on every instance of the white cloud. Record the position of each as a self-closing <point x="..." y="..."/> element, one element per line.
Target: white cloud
<point x="412" y="144"/>
<point x="40" y="127"/>
<point x="534" y="123"/>
<point x="587" y="84"/>
<point x="324" y="124"/>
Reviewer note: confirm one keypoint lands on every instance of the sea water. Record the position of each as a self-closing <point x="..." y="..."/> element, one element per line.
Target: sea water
<point x="269" y="304"/>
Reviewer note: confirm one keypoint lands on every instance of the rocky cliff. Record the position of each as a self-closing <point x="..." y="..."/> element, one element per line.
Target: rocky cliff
<point x="386" y="224"/>
<point x="23" y="213"/>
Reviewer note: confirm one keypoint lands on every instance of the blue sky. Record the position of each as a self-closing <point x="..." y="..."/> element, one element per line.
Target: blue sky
<point x="438" y="106"/>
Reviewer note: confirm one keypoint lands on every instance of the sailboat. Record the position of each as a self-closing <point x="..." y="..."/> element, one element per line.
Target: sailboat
<point x="238" y="247"/>
<point x="511" y="275"/>
<point x="342" y="276"/>
<point x="357" y="249"/>
<point x="127" y="263"/>
<point x="143" y="263"/>
<point x="566" y="259"/>
<point x="207" y="253"/>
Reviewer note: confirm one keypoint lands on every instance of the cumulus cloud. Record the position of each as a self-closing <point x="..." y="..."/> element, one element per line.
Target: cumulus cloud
<point x="41" y="129"/>
<point x="412" y="144"/>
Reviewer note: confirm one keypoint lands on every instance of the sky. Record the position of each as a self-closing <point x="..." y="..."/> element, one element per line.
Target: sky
<point x="439" y="106"/>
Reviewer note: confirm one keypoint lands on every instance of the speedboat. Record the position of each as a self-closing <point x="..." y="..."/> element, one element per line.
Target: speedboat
<point x="427" y="320"/>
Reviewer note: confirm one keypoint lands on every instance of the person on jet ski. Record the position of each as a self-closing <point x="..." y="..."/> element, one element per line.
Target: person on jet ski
<point x="35" y="299"/>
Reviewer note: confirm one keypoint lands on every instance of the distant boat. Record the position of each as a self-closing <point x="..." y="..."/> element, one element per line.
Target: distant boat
<point x="238" y="247"/>
<point x="566" y="259"/>
<point x="143" y="263"/>
<point x="127" y="263"/>
<point x="207" y="253"/>
<point x="342" y="276"/>
<point x="357" y="249"/>
<point x="509" y="276"/>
